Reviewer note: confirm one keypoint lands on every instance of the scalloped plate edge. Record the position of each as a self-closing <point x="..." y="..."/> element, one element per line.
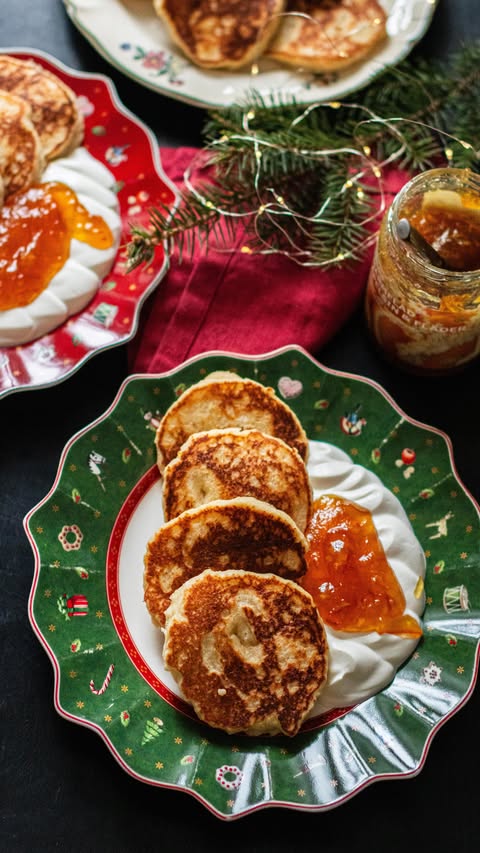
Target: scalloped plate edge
<point x="154" y="149"/>
<point x="98" y="729"/>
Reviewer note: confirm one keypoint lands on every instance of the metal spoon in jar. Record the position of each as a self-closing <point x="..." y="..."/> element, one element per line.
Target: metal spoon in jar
<point x="407" y="232"/>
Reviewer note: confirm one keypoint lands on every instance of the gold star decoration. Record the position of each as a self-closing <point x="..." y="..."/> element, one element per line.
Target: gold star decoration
<point x="177" y="740"/>
<point x="301" y="792"/>
<point x="372" y="759"/>
<point x="124" y="688"/>
<point x="94" y="549"/>
<point x="72" y="673"/>
<point x="159" y="765"/>
<point x="147" y="703"/>
<point x="460" y="670"/>
<point x="107" y="718"/>
<point x="80" y="704"/>
<point x="198" y="781"/>
<point x="52" y="628"/>
<point x="128" y="750"/>
<point x="99" y="614"/>
<point x="48" y="593"/>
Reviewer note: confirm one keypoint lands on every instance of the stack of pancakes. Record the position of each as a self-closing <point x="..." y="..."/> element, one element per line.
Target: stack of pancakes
<point x="39" y="121"/>
<point x="319" y="35"/>
<point x="243" y="640"/>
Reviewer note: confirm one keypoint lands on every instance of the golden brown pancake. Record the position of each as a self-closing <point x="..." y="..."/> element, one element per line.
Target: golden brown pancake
<point x="223" y="400"/>
<point x="248" y="650"/>
<point x="55" y="114"/>
<point x="230" y="463"/>
<point x="328" y="35"/>
<point x="220" y="33"/>
<point x="242" y="534"/>
<point x="21" y="156"/>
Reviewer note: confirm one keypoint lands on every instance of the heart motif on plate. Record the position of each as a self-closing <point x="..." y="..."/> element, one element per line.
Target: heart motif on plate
<point x="289" y="388"/>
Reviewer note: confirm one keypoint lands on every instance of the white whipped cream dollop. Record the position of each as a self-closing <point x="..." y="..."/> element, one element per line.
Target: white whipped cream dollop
<point x="72" y="288"/>
<point x="362" y="664"/>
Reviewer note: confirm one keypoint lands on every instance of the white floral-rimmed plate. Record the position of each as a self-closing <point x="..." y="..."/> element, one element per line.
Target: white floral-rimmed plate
<point x="80" y="607"/>
<point x="131" y="37"/>
<point x="128" y="148"/>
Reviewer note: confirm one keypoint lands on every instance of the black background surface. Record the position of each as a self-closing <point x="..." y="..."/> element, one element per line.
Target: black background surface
<point x="61" y="789"/>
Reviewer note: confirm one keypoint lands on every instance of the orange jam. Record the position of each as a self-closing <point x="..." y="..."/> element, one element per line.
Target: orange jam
<point x="423" y="316"/>
<point x="36" y="227"/>
<point x="454" y="231"/>
<point x="348" y="575"/>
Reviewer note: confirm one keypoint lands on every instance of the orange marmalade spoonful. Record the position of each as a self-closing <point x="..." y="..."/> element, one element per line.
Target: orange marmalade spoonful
<point x="36" y="227"/>
<point x="348" y="575"/>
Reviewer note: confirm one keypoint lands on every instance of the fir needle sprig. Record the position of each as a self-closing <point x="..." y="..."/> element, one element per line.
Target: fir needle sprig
<point x="308" y="180"/>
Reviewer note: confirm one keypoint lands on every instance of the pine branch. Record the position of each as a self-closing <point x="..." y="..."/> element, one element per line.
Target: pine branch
<point x="296" y="177"/>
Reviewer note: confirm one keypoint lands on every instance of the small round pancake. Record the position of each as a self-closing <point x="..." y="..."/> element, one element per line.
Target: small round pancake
<point x="21" y="155"/>
<point x="328" y="35"/>
<point x="242" y="534"/>
<point x="221" y="464"/>
<point x="55" y="113"/>
<point x="220" y="33"/>
<point x="223" y="400"/>
<point x="249" y="651"/>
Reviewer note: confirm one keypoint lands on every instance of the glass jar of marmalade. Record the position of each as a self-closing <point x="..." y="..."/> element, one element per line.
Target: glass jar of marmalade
<point x="423" y="316"/>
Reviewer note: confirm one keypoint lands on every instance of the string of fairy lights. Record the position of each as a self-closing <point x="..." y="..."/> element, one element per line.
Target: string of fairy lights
<point x="366" y="175"/>
<point x="369" y="169"/>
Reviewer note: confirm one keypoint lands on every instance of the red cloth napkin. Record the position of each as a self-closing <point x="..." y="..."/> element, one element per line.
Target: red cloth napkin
<point x="249" y="304"/>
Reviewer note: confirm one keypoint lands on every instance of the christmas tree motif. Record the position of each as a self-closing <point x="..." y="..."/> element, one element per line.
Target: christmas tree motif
<point x="153" y="728"/>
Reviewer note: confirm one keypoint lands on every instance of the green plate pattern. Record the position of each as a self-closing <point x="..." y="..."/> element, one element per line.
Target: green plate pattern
<point x="75" y="612"/>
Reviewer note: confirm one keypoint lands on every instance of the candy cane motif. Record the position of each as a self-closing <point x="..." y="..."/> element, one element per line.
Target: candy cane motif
<point x="105" y="683"/>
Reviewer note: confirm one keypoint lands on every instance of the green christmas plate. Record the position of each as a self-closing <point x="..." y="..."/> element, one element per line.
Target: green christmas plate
<point x="88" y="535"/>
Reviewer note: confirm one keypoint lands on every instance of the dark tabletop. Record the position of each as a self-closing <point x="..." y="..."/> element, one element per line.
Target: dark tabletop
<point x="60" y="787"/>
